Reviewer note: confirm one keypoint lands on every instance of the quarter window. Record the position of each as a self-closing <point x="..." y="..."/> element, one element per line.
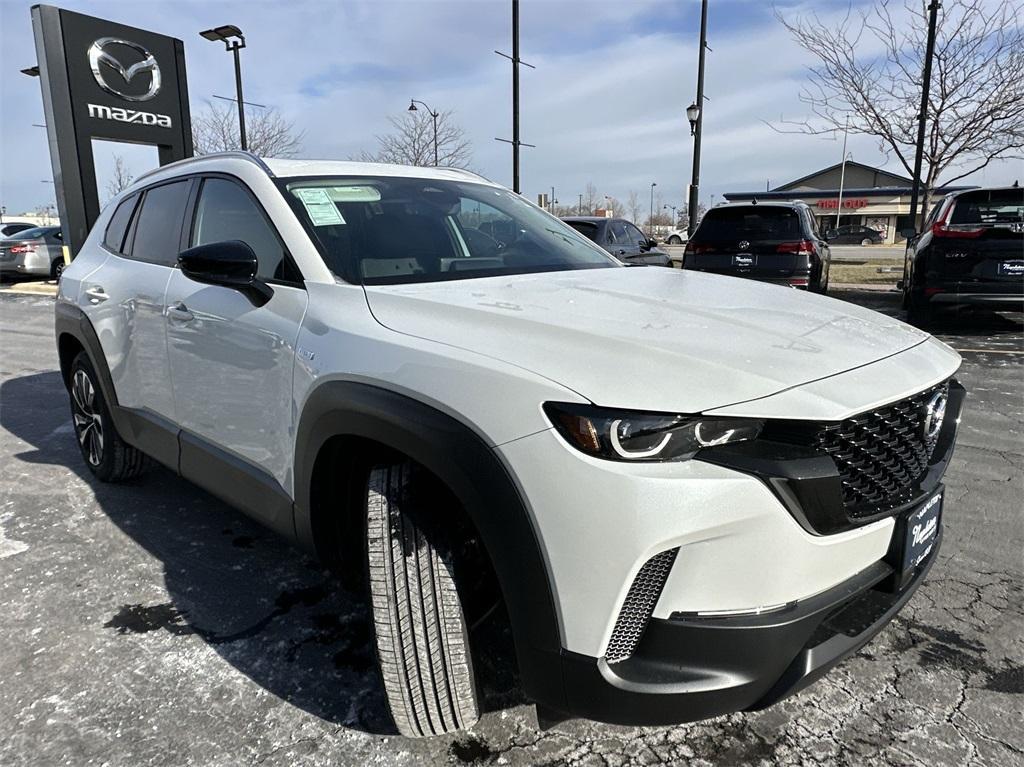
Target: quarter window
<point x="226" y="212"/>
<point x="158" y="225"/>
<point x="118" y="226"/>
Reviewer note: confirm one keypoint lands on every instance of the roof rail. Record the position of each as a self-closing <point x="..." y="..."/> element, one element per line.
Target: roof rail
<point x="237" y="153"/>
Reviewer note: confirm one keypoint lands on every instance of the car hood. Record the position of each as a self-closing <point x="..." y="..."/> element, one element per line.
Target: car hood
<point x="647" y="338"/>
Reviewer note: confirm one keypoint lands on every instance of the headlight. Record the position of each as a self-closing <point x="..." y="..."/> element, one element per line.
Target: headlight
<point x="629" y="435"/>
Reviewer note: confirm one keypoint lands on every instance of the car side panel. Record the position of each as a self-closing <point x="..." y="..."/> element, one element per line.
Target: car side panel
<point x="124" y="300"/>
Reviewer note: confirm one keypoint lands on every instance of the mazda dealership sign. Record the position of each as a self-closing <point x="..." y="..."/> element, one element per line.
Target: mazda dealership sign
<point x="103" y="80"/>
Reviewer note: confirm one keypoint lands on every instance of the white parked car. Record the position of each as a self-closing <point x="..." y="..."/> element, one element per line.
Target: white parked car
<point x="676" y="237"/>
<point x="693" y="494"/>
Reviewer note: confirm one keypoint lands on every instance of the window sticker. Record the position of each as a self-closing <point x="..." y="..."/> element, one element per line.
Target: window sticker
<point x="321" y="210"/>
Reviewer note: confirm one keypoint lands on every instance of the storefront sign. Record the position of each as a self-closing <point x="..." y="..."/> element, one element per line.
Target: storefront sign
<point x="852" y="202"/>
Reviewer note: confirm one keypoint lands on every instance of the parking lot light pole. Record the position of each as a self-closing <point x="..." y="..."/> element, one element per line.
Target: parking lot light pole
<point x="650" y="220"/>
<point x="695" y="113"/>
<point x="926" y="79"/>
<point x="432" y="113"/>
<point x="234" y="41"/>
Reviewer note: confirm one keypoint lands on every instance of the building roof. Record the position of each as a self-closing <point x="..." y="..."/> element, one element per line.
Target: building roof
<point x="816" y="180"/>
<point x="885" y="191"/>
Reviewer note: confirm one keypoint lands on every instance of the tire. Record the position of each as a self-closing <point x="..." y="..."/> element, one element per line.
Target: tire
<point x="674" y="240"/>
<point x="421" y="633"/>
<point x="108" y="457"/>
<point x="57" y="269"/>
<point x="865" y="242"/>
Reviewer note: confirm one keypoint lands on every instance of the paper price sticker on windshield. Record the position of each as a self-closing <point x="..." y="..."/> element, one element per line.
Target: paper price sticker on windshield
<point x="322" y="211"/>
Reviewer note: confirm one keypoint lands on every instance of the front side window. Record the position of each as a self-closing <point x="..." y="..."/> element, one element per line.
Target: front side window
<point x="379" y="231"/>
<point x="158" y="225"/>
<point x="225" y="211"/>
<point x="634" y="235"/>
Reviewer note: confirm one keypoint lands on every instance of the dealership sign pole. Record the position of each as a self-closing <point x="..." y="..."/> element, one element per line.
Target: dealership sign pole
<point x="107" y="81"/>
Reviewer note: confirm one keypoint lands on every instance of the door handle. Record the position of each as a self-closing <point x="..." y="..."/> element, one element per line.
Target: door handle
<point x="96" y="294"/>
<point x="179" y="312"/>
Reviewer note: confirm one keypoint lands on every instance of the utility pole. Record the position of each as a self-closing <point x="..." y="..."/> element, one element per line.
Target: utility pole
<point x="579" y="210"/>
<point x="516" y="61"/>
<point x="842" y="173"/>
<point x="933" y="11"/>
<point x="695" y="181"/>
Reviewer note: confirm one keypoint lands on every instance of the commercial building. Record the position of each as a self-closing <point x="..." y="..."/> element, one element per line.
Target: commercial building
<point x="870" y="197"/>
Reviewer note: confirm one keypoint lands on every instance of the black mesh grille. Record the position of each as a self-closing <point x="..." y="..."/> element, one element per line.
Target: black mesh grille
<point x="881" y="455"/>
<point x="640" y="601"/>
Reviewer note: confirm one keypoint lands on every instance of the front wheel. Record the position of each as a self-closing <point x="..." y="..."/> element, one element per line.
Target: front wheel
<point x="675" y="240"/>
<point x="421" y="631"/>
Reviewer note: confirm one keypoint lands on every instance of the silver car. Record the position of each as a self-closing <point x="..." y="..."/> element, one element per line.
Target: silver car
<point x="37" y="251"/>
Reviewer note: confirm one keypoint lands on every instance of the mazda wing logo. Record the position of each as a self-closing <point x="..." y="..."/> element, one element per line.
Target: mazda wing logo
<point x="98" y="54"/>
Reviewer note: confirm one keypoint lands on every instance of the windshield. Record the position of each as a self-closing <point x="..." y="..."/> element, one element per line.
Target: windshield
<point x="382" y="231"/>
<point x="750" y="223"/>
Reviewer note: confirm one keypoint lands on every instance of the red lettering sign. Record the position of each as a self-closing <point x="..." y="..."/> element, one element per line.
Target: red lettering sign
<point x="851" y="202"/>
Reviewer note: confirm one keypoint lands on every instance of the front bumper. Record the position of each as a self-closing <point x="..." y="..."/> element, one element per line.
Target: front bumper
<point x="690" y="668"/>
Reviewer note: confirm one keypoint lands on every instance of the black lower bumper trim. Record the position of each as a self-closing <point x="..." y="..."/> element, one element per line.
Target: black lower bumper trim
<point x="688" y="668"/>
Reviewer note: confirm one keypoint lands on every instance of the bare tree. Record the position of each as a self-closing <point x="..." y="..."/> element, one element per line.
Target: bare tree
<point x="590" y="199"/>
<point x="614" y="205"/>
<point x="633" y="205"/>
<point x="412" y="142"/>
<point x="121" y="178"/>
<point x="267" y="133"/>
<point x="869" y="73"/>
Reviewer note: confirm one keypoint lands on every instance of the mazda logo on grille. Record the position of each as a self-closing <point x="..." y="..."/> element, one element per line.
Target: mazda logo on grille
<point x="98" y="54"/>
<point x="934" y="413"/>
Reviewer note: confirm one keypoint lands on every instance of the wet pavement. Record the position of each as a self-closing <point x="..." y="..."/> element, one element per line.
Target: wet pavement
<point x="149" y="624"/>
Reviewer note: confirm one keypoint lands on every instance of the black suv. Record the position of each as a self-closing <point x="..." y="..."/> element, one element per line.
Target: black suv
<point x="773" y="242"/>
<point x="621" y="238"/>
<point x="970" y="252"/>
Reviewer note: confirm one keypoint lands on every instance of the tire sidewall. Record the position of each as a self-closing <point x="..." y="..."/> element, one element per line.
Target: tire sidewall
<point x="105" y="469"/>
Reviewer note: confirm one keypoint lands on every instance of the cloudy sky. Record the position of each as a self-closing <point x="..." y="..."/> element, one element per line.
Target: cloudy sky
<point x="605" y="103"/>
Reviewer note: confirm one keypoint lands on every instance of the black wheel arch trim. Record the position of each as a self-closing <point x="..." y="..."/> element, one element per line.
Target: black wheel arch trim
<point x="460" y="458"/>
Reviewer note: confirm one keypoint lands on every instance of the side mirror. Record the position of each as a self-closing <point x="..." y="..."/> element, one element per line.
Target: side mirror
<point x="646" y="245"/>
<point x="909" y="232"/>
<point x="230" y="264"/>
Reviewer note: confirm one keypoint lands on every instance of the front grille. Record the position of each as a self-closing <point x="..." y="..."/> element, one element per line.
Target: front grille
<point x="881" y="455"/>
<point x="639" y="605"/>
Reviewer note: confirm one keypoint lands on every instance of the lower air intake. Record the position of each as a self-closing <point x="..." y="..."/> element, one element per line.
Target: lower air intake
<point x="639" y="605"/>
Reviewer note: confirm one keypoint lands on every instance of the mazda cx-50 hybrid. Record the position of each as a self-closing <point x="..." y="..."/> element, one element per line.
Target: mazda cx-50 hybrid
<point x="691" y="494"/>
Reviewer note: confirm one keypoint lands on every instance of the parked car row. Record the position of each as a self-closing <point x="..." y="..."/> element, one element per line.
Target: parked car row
<point x="35" y="251"/>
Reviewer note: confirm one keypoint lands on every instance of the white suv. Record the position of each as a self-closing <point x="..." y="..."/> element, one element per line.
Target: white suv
<point x="691" y="494"/>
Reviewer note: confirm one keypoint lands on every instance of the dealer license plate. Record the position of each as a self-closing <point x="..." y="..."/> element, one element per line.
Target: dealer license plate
<point x="744" y="259"/>
<point x="1011" y="268"/>
<point x="922" y="531"/>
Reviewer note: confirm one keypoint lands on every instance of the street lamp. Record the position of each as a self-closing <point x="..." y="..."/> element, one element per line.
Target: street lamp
<point x="693" y="114"/>
<point x="673" y="209"/>
<point x="234" y="41"/>
<point x="432" y="113"/>
<point x="650" y="220"/>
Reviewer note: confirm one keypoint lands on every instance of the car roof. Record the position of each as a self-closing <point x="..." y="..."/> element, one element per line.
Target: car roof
<point x="587" y="219"/>
<point x="759" y="204"/>
<point x="976" y="189"/>
<point x="290" y="168"/>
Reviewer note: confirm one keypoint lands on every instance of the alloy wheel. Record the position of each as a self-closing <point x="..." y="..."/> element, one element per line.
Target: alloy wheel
<point x="88" y="422"/>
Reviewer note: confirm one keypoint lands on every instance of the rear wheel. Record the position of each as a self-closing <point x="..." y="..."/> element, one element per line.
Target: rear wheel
<point x="675" y="240"/>
<point x="865" y="241"/>
<point x="109" y="457"/>
<point x="421" y="631"/>
<point x="57" y="269"/>
<point x="920" y="312"/>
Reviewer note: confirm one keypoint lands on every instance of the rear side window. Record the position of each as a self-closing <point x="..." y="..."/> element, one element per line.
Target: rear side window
<point x="750" y="223"/>
<point x="118" y="226"/>
<point x="226" y="212"/>
<point x="158" y="227"/>
<point x="989" y="206"/>
<point x="586" y="228"/>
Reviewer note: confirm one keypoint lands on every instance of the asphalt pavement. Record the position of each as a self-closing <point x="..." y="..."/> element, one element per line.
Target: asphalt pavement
<point x="150" y="624"/>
